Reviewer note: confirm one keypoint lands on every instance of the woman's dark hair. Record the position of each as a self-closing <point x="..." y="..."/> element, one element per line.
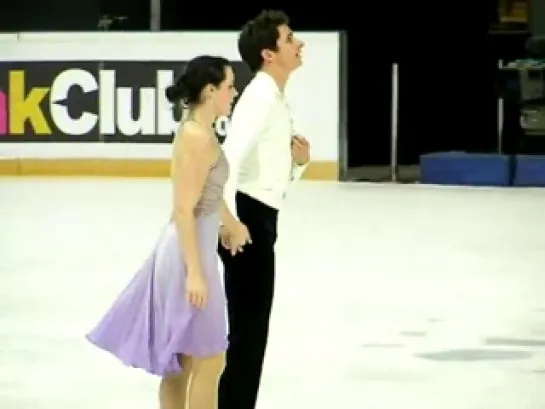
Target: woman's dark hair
<point x="260" y="34"/>
<point x="198" y="73"/>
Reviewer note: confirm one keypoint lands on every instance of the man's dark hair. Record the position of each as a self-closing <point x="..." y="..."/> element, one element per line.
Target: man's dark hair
<point x="260" y="34"/>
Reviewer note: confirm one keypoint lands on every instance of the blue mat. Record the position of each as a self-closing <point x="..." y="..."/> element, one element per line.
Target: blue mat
<point x="464" y="169"/>
<point x="530" y="171"/>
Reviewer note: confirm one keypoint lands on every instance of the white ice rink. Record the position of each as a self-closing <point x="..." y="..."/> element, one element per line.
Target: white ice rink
<point x="388" y="297"/>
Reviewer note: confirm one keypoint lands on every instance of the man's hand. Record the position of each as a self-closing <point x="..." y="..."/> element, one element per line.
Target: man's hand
<point x="300" y="150"/>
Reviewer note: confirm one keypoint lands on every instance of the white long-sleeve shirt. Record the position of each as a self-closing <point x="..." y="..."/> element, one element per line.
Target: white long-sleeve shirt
<point x="258" y="145"/>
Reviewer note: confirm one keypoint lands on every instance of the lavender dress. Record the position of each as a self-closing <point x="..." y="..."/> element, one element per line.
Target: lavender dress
<point x="151" y="322"/>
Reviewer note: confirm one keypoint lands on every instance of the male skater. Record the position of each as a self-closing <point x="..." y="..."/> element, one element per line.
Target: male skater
<point x="265" y="156"/>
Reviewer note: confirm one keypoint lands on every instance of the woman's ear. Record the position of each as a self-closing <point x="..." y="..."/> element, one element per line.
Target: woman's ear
<point x="208" y="91"/>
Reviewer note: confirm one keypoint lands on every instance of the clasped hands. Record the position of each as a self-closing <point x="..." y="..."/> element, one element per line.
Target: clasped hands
<point x="235" y="237"/>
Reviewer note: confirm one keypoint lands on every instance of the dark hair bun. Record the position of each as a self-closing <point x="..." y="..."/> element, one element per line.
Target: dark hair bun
<point x="175" y="93"/>
<point x="172" y="93"/>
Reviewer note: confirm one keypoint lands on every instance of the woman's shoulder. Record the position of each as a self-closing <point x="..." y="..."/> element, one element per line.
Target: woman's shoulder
<point x="194" y="135"/>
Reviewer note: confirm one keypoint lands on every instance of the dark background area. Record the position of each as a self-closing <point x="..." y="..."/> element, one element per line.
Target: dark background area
<point x="448" y="61"/>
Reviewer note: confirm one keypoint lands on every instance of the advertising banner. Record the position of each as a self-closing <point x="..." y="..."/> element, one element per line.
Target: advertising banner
<point x="81" y="89"/>
<point x="89" y="101"/>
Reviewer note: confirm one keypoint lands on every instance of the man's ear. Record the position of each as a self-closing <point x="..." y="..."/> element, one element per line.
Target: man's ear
<point x="267" y="55"/>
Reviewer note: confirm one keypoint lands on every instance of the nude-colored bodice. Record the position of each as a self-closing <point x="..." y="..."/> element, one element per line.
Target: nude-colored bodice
<point x="212" y="193"/>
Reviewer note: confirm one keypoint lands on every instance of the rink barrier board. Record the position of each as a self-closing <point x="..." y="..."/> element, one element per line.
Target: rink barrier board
<point x="113" y="167"/>
<point x="482" y="169"/>
<point x="464" y="169"/>
<point x="109" y="121"/>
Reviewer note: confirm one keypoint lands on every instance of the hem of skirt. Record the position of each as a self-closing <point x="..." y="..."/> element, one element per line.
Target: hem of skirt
<point x="161" y="372"/>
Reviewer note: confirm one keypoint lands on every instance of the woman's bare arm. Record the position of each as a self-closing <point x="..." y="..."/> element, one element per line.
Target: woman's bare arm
<point x="194" y="154"/>
<point x="226" y="217"/>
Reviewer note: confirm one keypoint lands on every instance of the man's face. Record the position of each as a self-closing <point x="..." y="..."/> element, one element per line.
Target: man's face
<point x="288" y="54"/>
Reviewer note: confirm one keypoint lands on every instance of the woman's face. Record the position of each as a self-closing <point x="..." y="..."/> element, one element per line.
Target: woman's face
<point x="226" y="93"/>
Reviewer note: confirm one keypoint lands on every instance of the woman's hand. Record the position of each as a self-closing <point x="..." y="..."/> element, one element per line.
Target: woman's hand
<point x="235" y="238"/>
<point x="196" y="289"/>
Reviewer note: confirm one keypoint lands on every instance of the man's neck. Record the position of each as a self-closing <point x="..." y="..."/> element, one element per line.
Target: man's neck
<point x="279" y="76"/>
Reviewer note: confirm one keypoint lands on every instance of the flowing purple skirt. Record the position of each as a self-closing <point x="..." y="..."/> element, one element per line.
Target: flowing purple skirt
<point x="151" y="321"/>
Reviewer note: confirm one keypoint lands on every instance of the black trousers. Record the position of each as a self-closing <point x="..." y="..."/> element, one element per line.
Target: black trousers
<point x="249" y="286"/>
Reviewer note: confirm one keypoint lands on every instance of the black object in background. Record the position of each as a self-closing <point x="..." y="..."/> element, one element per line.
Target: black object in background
<point x="369" y="136"/>
<point x="135" y="14"/>
<point x="536" y="17"/>
<point x="49" y="15"/>
<point x="69" y="15"/>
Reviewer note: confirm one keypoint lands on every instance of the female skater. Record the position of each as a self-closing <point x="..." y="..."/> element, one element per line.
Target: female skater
<point x="171" y="319"/>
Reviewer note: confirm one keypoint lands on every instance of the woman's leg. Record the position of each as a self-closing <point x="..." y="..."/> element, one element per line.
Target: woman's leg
<point x="173" y="388"/>
<point x="205" y="374"/>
